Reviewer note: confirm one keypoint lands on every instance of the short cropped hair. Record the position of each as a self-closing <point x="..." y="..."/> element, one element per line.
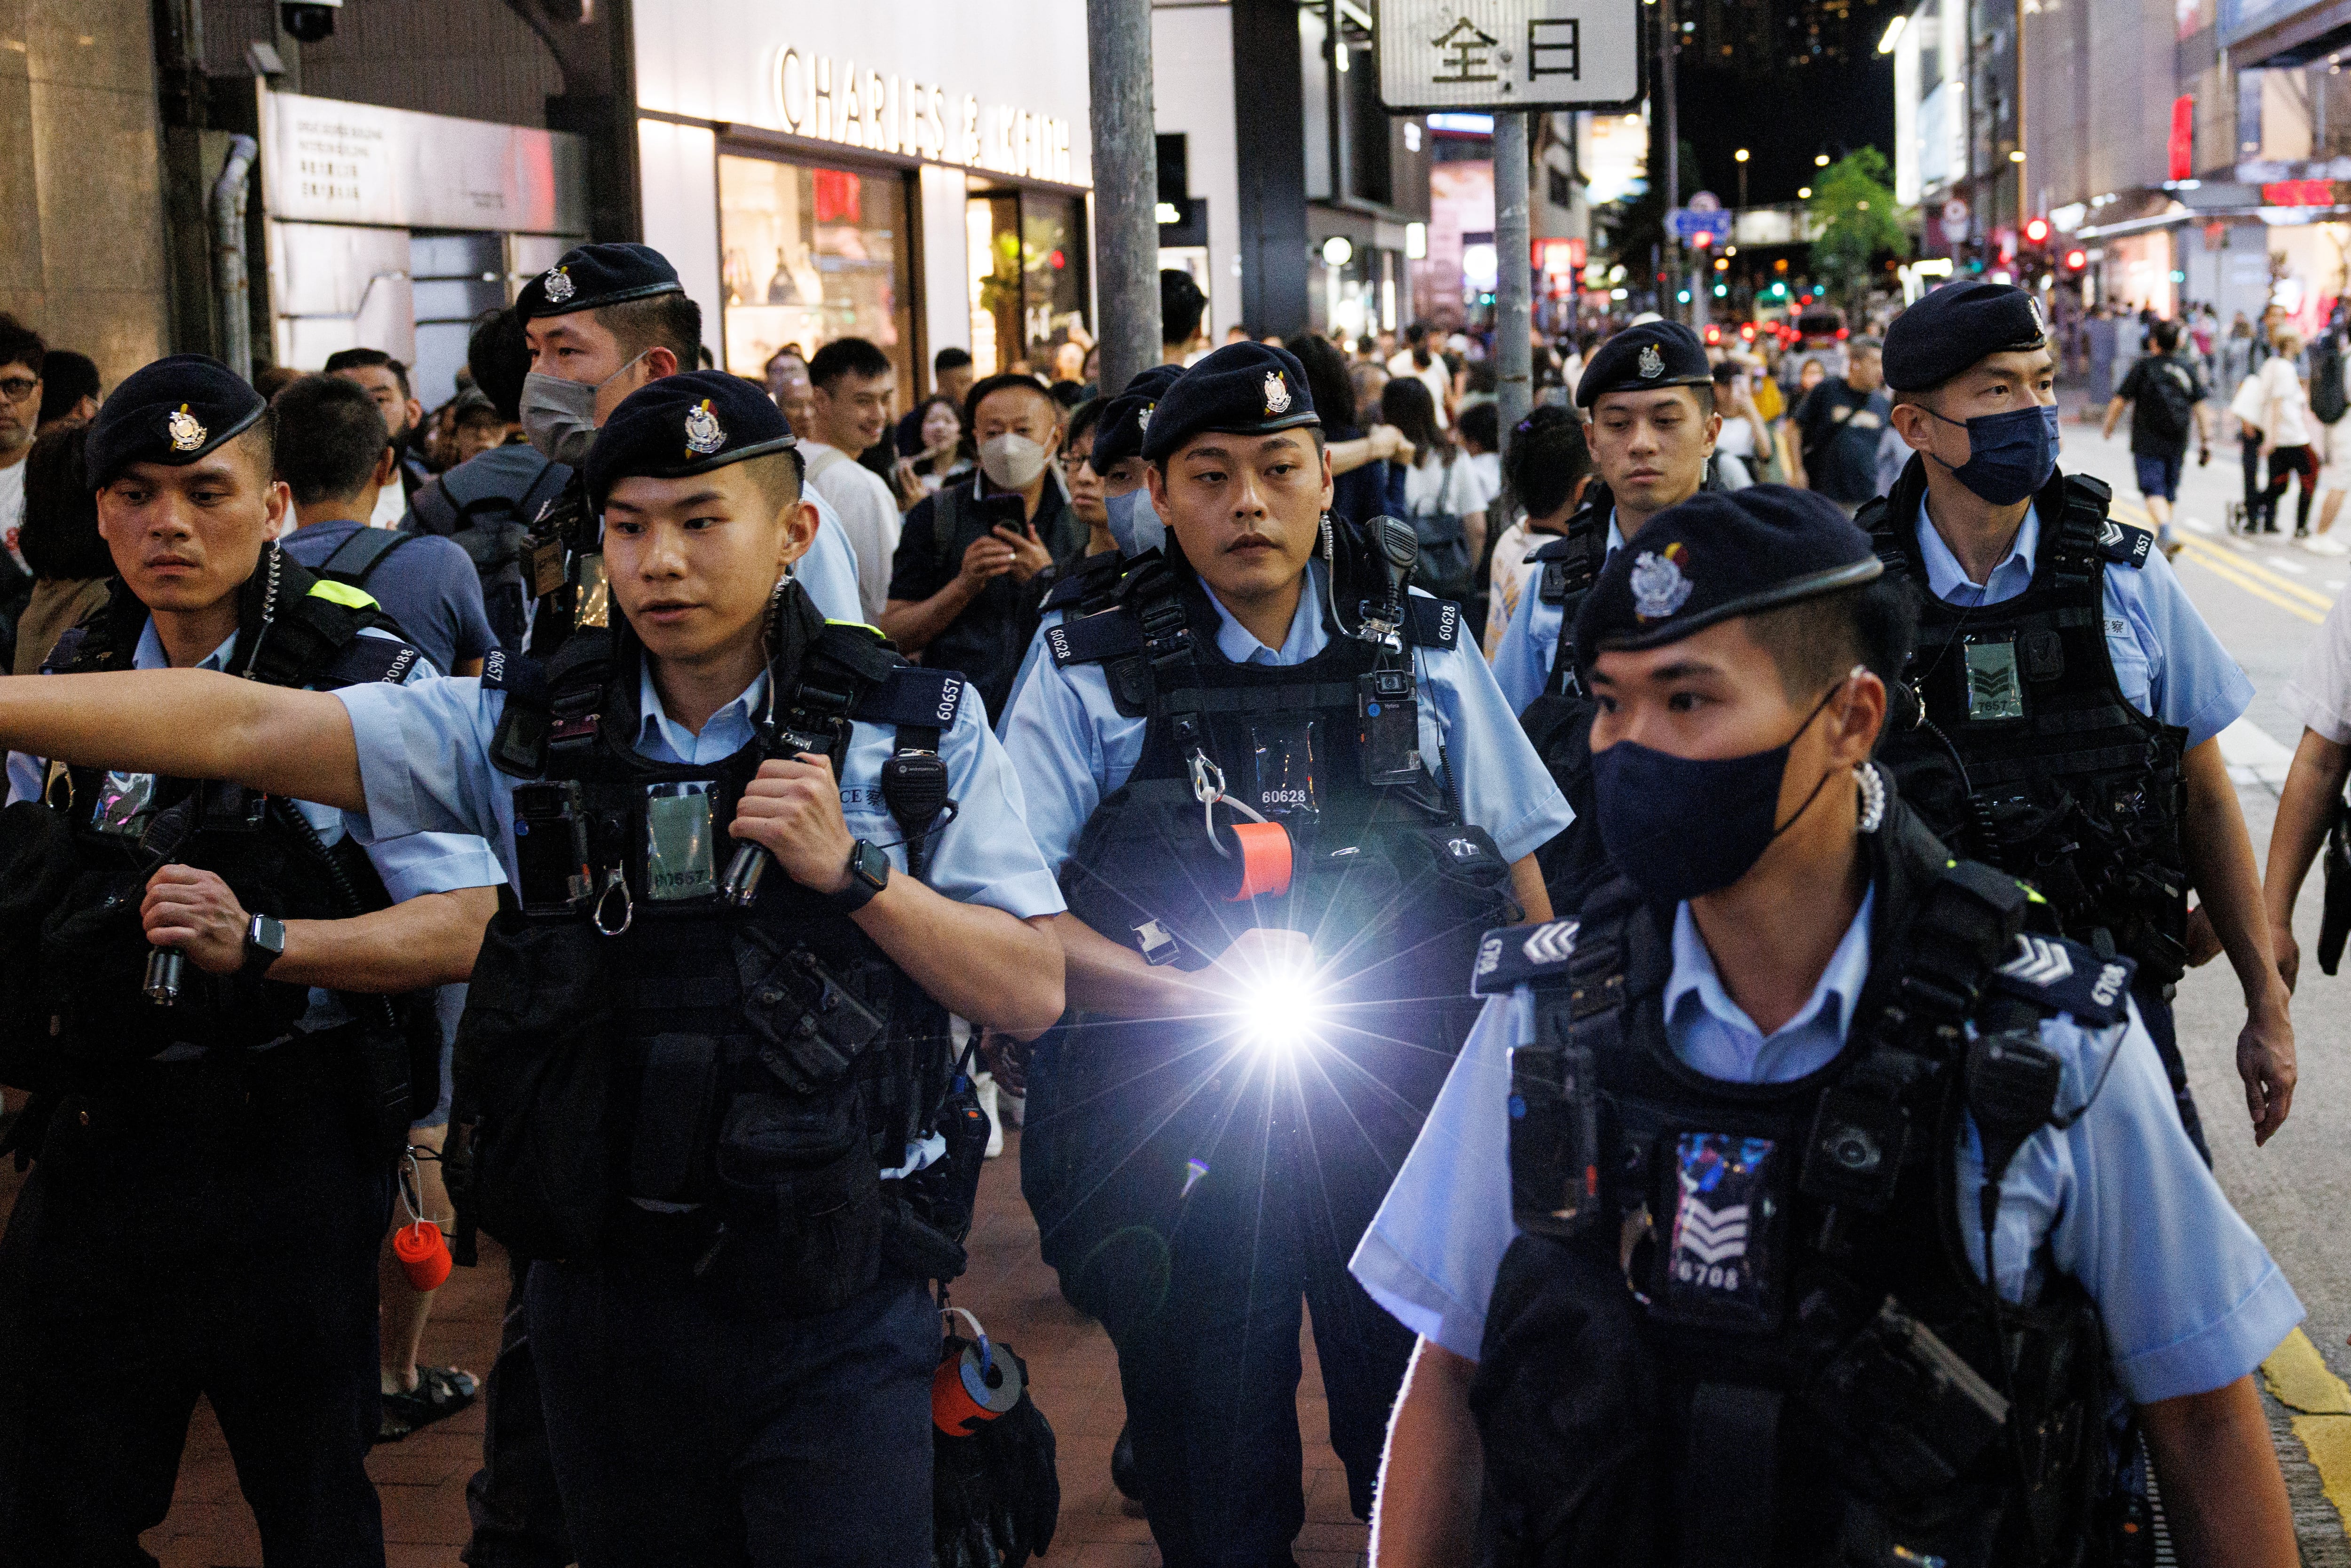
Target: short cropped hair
<point x="847" y="357"/>
<point x="950" y="359"/>
<point x="498" y="355"/>
<point x="66" y="378"/>
<point x="1815" y="643"/>
<point x="330" y="437"/>
<point x="779" y="475"/>
<point x="60" y="536"/>
<point x="672" y="321"/>
<point x="368" y="358"/>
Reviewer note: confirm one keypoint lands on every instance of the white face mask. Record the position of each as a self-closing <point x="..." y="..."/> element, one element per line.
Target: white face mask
<point x="1011" y="461"/>
<point x="559" y="416"/>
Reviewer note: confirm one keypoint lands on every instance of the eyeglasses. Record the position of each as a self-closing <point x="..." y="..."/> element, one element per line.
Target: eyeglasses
<point x="1074" y="460"/>
<point x="16" y="389"/>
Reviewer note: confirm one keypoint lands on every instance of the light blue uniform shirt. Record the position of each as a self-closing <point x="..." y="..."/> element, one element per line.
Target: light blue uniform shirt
<point x="409" y="865"/>
<point x="828" y="574"/>
<point x="1072" y="746"/>
<point x="2191" y="1299"/>
<point x="1522" y="658"/>
<point x="425" y="764"/>
<point x="2166" y="661"/>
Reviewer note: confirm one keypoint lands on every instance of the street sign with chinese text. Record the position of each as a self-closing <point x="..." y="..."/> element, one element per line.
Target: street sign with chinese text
<point x="1689" y="223"/>
<point x="1509" y="54"/>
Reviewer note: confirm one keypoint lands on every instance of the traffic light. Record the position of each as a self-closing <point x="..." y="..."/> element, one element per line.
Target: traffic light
<point x="2033" y="258"/>
<point x="2075" y="260"/>
<point x="2036" y="231"/>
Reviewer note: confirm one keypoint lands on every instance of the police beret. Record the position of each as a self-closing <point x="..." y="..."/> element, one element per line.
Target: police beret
<point x="1639" y="358"/>
<point x="591" y="276"/>
<point x="1119" y="434"/>
<point x="1954" y="326"/>
<point x="1720" y="554"/>
<point x="1248" y="389"/>
<point x="171" y="412"/>
<point x="683" y="424"/>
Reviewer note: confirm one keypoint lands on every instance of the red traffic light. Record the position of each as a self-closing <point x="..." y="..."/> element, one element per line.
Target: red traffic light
<point x="1701" y="240"/>
<point x="2036" y="231"/>
<point x="2075" y="260"/>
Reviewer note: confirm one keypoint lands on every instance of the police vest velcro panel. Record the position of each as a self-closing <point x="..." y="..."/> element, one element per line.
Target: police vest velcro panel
<point x="2030" y="756"/>
<point x="1810" y="1317"/>
<point x="766" y="1062"/>
<point x="1092" y="577"/>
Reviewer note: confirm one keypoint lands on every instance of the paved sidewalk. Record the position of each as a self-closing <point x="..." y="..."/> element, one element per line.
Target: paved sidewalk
<point x="1075" y="1374"/>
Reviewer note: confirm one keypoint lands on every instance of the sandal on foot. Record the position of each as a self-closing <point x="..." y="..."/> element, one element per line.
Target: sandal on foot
<point x="440" y="1393"/>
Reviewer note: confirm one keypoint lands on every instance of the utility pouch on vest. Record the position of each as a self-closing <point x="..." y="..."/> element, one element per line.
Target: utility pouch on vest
<point x="551" y="847"/>
<point x="1388" y="707"/>
<point x="225" y="808"/>
<point x="1722" y="1264"/>
<point x="1916" y="1412"/>
<point x="675" y="1095"/>
<point x="679" y="862"/>
<point x="1554" y="1139"/>
<point x="812" y="1027"/>
<point x="799" y="1173"/>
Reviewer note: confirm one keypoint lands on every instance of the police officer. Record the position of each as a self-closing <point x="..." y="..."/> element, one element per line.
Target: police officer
<point x="1804" y="1083"/>
<point x="1650" y="393"/>
<point x="197" y="989"/>
<point x="708" y="1088"/>
<point x="2072" y="695"/>
<point x="601" y="322"/>
<point x="1279" y="787"/>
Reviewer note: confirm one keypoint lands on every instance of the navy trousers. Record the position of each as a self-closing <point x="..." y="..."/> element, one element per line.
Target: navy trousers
<point x="188" y="1244"/>
<point x="690" y="1422"/>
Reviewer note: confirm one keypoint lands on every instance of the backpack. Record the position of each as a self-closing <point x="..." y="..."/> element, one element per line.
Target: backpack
<point x="1445" y="568"/>
<point x="2166" y="402"/>
<point x="2326" y="396"/>
<point x="355" y="559"/>
<point x="491" y="529"/>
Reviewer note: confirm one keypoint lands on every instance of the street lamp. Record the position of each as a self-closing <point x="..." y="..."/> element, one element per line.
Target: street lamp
<point x="1819" y="160"/>
<point x="1740" y="157"/>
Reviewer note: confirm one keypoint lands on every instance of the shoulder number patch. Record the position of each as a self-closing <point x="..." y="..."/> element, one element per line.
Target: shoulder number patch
<point x="2125" y="545"/>
<point x="1517" y="954"/>
<point x="2067" y="977"/>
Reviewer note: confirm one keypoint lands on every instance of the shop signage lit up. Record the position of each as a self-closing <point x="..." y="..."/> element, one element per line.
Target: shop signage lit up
<point x="838" y="100"/>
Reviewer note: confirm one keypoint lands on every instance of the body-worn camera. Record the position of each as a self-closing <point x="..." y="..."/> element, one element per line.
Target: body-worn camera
<point x="1388" y="706"/>
<point x="1554" y="1139"/>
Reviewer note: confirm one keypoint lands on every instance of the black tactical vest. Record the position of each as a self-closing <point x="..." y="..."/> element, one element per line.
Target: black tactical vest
<point x="1386" y="874"/>
<point x="295" y="631"/>
<point x="631" y="1034"/>
<point x="2029" y="756"/>
<point x="1559" y="721"/>
<point x="1758" y="1294"/>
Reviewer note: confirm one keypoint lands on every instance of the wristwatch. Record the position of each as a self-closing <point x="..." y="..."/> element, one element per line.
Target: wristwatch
<point x="868" y="874"/>
<point x="265" y="944"/>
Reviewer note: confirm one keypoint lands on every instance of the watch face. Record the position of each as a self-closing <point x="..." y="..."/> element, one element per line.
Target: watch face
<point x="873" y="865"/>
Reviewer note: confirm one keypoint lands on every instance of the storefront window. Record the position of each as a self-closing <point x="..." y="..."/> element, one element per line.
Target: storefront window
<point x="811" y="254"/>
<point x="1028" y="289"/>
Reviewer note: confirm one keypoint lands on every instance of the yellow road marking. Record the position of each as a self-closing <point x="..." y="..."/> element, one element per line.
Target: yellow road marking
<point x="2208" y="554"/>
<point x="2224" y="566"/>
<point x="2299" y="1379"/>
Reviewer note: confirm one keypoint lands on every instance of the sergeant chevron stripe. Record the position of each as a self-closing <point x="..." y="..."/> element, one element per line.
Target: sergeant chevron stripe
<point x="2038" y="961"/>
<point x="1551" y="944"/>
<point x="1713" y="1236"/>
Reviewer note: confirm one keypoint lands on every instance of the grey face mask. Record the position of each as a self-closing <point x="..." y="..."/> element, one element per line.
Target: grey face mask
<point x="1134" y="522"/>
<point x="1011" y="460"/>
<point x="559" y="416"/>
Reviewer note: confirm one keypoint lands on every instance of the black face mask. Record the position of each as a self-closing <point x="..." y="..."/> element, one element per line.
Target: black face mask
<point x="1683" y="826"/>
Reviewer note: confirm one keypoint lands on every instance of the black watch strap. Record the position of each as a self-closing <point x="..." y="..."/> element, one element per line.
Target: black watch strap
<point x="868" y="874"/>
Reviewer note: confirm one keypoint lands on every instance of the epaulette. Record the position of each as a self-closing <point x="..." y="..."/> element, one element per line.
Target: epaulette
<point x="1106" y="634"/>
<point x="1095" y="574"/>
<point x="66" y="650"/>
<point x="913" y="696"/>
<point x="365" y="660"/>
<point x="528" y="727"/>
<point x="2063" y="976"/>
<point x="1553" y="549"/>
<point x="1431" y="622"/>
<point x="2125" y="545"/>
<point x="1515" y="955"/>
